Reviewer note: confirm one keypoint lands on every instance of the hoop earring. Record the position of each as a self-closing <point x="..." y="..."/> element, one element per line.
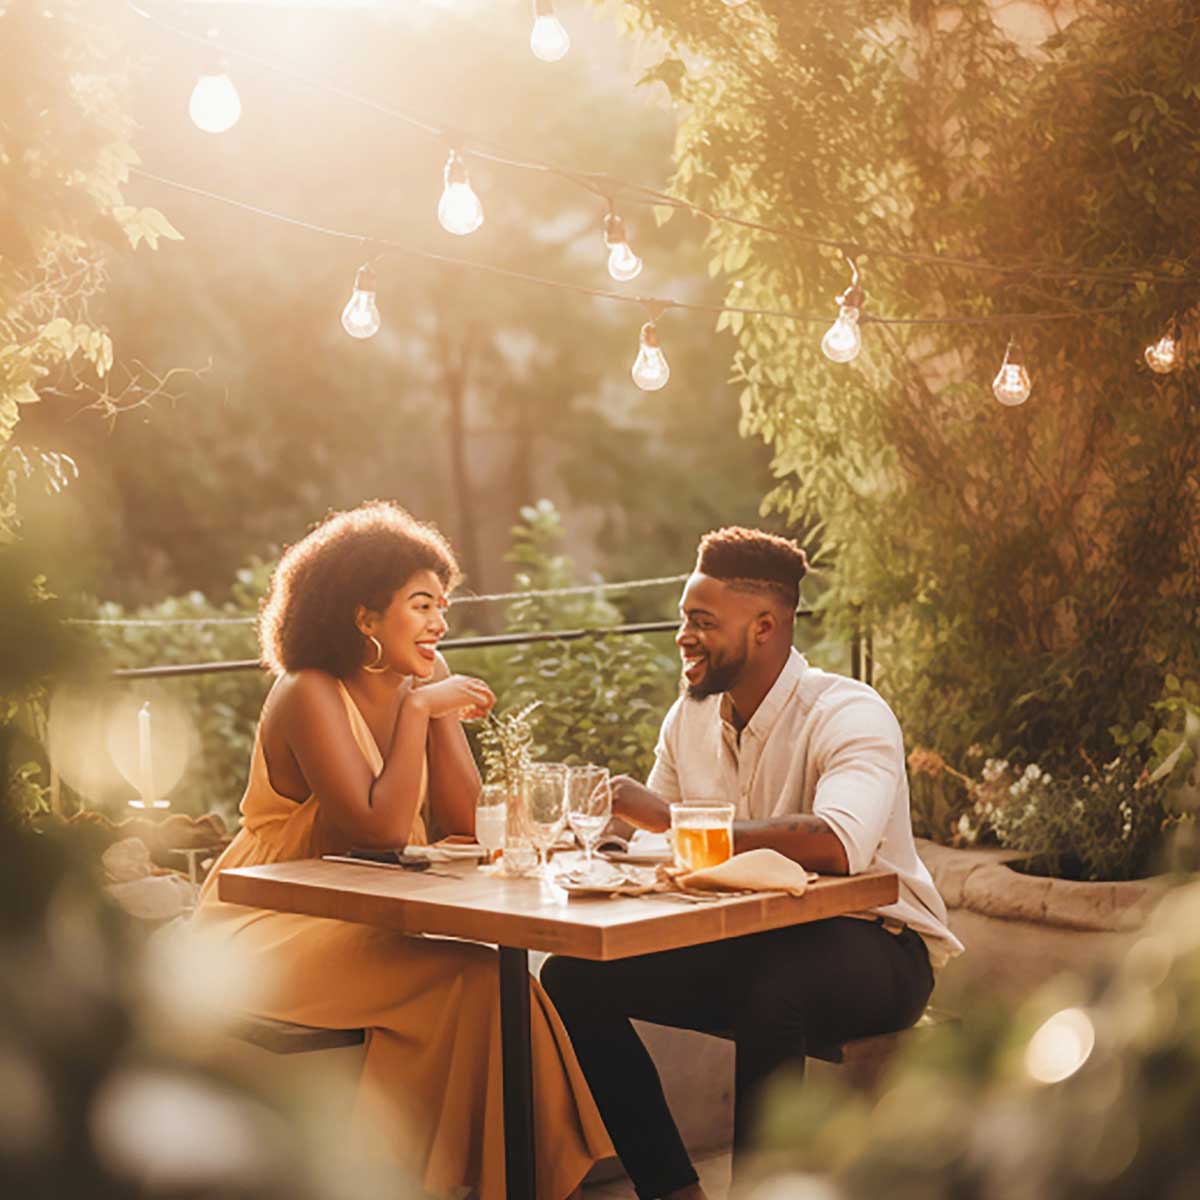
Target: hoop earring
<point x="378" y="666"/>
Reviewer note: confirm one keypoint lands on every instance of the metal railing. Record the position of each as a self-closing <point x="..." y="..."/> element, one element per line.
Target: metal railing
<point x="862" y="661"/>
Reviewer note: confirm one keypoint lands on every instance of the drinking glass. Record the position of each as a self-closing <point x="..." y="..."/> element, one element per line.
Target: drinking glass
<point x="702" y="834"/>
<point x="491" y="816"/>
<point x="589" y="806"/>
<point x="545" y="806"/>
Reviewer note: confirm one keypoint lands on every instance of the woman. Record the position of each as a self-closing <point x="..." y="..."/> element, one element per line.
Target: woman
<point x="360" y="744"/>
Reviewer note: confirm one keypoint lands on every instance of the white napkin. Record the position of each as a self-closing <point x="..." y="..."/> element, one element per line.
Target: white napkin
<point x="752" y="870"/>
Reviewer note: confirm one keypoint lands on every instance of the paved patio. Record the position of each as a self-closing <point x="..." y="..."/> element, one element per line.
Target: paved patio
<point x="713" y="1169"/>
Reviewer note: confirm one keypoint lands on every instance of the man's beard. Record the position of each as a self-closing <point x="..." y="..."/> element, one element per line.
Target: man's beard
<point x="717" y="679"/>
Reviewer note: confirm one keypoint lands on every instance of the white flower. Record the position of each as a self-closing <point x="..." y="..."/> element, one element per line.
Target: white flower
<point x="993" y="769"/>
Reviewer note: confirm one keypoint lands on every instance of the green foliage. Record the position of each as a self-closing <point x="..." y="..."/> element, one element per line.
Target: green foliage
<point x="1030" y="574"/>
<point x="68" y="151"/>
<point x="505" y="743"/>
<point x="603" y="698"/>
<point x="1090" y="1090"/>
<point x="1108" y="824"/>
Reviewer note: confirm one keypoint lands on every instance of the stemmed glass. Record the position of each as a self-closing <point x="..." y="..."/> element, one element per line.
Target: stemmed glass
<point x="546" y="807"/>
<point x="491" y="815"/>
<point x="589" y="807"/>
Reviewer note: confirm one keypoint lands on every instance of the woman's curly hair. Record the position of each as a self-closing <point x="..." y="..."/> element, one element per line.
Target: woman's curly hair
<point x="360" y="557"/>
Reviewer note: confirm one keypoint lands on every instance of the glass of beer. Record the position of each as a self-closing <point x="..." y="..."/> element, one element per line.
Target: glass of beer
<point x="702" y="835"/>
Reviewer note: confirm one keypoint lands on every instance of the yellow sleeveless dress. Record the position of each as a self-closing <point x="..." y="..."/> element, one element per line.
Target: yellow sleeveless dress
<point x="431" y="1008"/>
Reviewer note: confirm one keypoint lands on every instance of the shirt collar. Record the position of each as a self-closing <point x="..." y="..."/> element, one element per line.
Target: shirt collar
<point x="774" y="702"/>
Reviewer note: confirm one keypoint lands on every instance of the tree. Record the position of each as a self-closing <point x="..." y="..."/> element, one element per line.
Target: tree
<point x="479" y="394"/>
<point x="1030" y="573"/>
<point x="67" y="151"/>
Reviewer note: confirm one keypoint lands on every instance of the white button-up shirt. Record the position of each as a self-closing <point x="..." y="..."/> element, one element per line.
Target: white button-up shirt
<point x="818" y="743"/>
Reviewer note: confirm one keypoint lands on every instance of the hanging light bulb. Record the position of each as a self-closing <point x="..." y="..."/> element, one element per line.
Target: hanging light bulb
<point x="360" y="317"/>
<point x="459" y="209"/>
<point x="549" y="40"/>
<point x="1164" y="356"/>
<point x="733" y="3"/>
<point x="623" y="264"/>
<point x="650" y="370"/>
<point x="843" y="339"/>
<point x="215" y="105"/>
<point x="1011" y="385"/>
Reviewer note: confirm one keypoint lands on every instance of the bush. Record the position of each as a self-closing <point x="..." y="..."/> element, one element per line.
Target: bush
<point x="602" y="698"/>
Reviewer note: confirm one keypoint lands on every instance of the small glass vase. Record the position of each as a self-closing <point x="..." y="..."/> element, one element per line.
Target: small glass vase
<point x="520" y="854"/>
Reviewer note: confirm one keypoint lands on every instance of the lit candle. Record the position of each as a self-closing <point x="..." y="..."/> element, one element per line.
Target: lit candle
<point x="145" y="765"/>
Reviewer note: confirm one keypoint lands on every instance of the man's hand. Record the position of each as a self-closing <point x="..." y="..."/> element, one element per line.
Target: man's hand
<point x="639" y="806"/>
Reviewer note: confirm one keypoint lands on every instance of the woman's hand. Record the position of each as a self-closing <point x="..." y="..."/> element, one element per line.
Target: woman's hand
<point x="455" y="696"/>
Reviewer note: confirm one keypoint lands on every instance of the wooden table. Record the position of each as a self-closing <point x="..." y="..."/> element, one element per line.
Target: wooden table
<point x="520" y="915"/>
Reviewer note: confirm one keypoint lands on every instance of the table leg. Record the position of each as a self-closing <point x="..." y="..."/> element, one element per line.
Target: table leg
<point x="519" y="1161"/>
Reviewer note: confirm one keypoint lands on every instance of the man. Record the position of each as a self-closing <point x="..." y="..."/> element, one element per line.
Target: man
<point x="815" y="766"/>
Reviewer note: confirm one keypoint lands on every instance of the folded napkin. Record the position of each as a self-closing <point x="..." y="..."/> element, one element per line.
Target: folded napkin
<point x="752" y="870"/>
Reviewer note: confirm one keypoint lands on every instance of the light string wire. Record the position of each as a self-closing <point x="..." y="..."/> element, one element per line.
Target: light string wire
<point x="607" y="187"/>
<point x="583" y="589"/>
<point x="375" y="248"/>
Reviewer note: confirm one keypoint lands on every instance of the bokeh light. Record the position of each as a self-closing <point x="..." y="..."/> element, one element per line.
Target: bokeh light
<point x="1061" y="1046"/>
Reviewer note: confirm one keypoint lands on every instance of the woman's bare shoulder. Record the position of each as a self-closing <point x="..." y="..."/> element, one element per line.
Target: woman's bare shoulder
<point x="298" y="692"/>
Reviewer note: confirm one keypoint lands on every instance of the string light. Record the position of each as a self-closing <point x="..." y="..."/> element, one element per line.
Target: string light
<point x="1163" y="356"/>
<point x="650" y="370"/>
<point x="1011" y="385"/>
<point x="360" y="317"/>
<point x="459" y="209"/>
<point x="215" y="105"/>
<point x="623" y="264"/>
<point x="843" y="339"/>
<point x="549" y="39"/>
<point x="602" y="185"/>
<point x="651" y="364"/>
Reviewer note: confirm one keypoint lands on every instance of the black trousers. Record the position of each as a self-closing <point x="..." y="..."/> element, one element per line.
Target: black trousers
<point x="777" y="993"/>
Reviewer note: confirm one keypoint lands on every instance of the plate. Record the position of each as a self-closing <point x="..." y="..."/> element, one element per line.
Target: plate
<point x="604" y="879"/>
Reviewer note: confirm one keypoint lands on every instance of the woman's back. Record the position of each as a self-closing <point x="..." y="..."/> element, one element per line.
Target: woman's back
<point x="280" y="824"/>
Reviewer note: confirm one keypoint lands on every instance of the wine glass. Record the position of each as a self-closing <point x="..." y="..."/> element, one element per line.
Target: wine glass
<point x="491" y="815"/>
<point x="546" y="808"/>
<point x="589" y="807"/>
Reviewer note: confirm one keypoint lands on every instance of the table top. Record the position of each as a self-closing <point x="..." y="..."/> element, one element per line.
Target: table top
<point x="460" y="900"/>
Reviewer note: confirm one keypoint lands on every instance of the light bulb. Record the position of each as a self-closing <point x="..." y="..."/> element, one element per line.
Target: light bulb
<point x="549" y="40"/>
<point x="1163" y="356"/>
<point x="459" y="209"/>
<point x="650" y="370"/>
<point x="1011" y="385"/>
<point x="215" y="105"/>
<point x="734" y="3"/>
<point x="623" y="264"/>
<point x="843" y="339"/>
<point x="360" y="317"/>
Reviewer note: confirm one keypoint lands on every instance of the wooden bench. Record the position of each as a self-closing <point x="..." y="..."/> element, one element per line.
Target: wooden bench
<point x="282" y="1037"/>
<point x="863" y="1058"/>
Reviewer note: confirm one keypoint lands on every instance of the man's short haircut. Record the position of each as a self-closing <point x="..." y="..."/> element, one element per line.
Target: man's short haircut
<point x="754" y="561"/>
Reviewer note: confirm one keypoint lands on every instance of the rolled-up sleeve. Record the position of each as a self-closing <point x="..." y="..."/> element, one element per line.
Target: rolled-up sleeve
<point x="664" y="778"/>
<point x="861" y="751"/>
